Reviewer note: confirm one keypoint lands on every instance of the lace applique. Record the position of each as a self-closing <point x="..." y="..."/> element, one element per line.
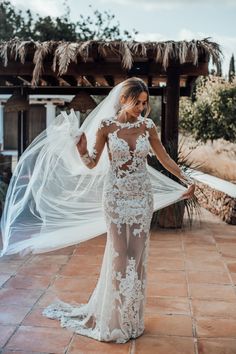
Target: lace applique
<point x="149" y="123"/>
<point x="128" y="194"/>
<point x="115" y="310"/>
<point x="86" y="158"/>
<point x="130" y="295"/>
<point x="128" y="124"/>
<point x="93" y="153"/>
<point x="140" y="120"/>
<point x="106" y="122"/>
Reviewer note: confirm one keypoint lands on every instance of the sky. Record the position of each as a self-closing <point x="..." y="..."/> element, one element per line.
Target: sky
<point x="157" y="20"/>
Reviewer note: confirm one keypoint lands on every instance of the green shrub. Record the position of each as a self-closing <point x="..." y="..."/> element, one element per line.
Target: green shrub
<point x="211" y="113"/>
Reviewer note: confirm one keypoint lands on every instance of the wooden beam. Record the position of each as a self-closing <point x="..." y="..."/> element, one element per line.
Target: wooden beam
<point x="112" y="69"/>
<point x="119" y="78"/>
<point x="12" y="80"/>
<point x="91" y="80"/>
<point x="25" y="79"/>
<point x="68" y="90"/>
<point x="110" y="80"/>
<point x="51" y="80"/>
<point x="156" y="81"/>
<point x="70" y="80"/>
<point x="101" y="81"/>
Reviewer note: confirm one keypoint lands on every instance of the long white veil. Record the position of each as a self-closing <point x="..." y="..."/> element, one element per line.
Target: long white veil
<point x="53" y="199"/>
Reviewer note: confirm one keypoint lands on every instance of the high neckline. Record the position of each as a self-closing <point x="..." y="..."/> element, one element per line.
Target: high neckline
<point x="129" y="124"/>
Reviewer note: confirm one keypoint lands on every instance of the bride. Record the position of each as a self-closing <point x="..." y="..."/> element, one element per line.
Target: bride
<point x="73" y="184"/>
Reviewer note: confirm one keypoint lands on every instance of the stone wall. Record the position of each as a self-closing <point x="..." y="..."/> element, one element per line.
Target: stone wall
<point x="217" y="202"/>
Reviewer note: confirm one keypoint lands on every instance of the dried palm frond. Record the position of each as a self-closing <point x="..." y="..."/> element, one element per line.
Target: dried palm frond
<point x="83" y="49"/>
<point x="42" y="50"/>
<point x="212" y="49"/>
<point x="183" y="51"/>
<point x="193" y="51"/>
<point x="4" y="52"/>
<point x="21" y="51"/>
<point x="127" y="59"/>
<point x="138" y="49"/>
<point x="56" y="57"/>
<point x="102" y="49"/>
<point x="13" y="49"/>
<point x="174" y="52"/>
<point x="106" y="48"/>
<point x="159" y="52"/>
<point x="168" y="48"/>
<point x="65" y="53"/>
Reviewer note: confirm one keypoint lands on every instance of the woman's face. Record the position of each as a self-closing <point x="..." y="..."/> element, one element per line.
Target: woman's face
<point x="134" y="110"/>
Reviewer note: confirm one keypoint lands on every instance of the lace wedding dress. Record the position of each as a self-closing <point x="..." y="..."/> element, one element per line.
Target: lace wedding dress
<point x="115" y="310"/>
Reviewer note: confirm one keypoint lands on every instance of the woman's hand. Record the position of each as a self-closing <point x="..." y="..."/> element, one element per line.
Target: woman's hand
<point x="189" y="192"/>
<point x="82" y="144"/>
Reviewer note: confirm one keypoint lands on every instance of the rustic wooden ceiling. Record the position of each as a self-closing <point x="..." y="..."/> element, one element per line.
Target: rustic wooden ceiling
<point x="96" y="66"/>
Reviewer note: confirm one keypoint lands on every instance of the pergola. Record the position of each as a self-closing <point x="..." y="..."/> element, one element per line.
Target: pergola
<point x="169" y="68"/>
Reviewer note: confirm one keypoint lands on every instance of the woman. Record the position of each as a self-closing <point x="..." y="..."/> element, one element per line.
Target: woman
<point x="115" y="310"/>
<point x="58" y="187"/>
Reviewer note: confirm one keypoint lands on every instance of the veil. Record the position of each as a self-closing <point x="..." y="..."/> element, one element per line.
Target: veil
<point x="53" y="199"/>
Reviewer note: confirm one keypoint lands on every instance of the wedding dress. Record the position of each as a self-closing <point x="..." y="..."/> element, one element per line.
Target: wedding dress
<point x="54" y="201"/>
<point x="52" y="196"/>
<point x="115" y="311"/>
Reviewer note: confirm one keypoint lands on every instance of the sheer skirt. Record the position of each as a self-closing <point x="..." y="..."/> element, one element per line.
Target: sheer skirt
<point x="115" y="310"/>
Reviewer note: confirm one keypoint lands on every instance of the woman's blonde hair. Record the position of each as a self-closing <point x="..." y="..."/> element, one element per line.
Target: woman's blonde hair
<point x="132" y="87"/>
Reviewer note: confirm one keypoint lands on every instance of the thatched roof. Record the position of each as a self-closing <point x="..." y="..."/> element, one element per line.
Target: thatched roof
<point x="61" y="55"/>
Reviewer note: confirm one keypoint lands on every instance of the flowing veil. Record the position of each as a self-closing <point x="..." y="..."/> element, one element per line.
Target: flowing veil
<point x="53" y="199"/>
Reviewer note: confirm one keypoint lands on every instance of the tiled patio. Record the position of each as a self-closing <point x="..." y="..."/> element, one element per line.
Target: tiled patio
<point x="191" y="302"/>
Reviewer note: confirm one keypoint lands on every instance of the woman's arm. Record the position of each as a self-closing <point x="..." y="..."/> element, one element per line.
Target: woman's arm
<point x="164" y="157"/>
<point x="91" y="159"/>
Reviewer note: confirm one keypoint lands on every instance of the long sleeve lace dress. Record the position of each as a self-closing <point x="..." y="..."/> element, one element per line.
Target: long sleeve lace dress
<point x="115" y="310"/>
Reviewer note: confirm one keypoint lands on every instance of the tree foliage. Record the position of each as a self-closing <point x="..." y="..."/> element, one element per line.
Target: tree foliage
<point x="97" y="26"/>
<point x="212" y="113"/>
<point x="101" y="26"/>
<point x="12" y="22"/>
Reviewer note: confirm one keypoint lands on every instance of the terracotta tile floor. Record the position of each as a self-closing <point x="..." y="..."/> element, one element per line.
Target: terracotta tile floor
<point x="191" y="295"/>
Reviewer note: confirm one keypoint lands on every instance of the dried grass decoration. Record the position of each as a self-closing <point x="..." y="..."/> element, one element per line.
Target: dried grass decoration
<point x="62" y="53"/>
<point x="82" y="102"/>
<point x="17" y="103"/>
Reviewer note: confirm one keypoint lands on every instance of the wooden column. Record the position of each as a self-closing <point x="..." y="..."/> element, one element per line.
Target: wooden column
<point x="171" y="216"/>
<point x="172" y="112"/>
<point x="50" y="112"/>
<point x="22" y="132"/>
<point x="1" y="127"/>
<point x="163" y="115"/>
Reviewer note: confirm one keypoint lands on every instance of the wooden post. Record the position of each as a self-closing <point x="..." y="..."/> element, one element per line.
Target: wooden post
<point x="172" y="112"/>
<point x="171" y="216"/>
<point x="163" y="115"/>
<point x="22" y="132"/>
